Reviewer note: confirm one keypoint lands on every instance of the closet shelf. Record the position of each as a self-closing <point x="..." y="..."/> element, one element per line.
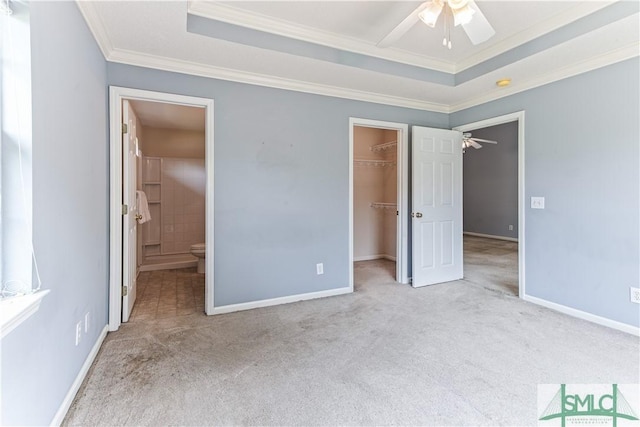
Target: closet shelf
<point x="383" y="205"/>
<point x="384" y="147"/>
<point x="371" y="162"/>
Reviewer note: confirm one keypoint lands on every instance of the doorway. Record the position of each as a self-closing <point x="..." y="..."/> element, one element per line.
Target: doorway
<point x="378" y="194"/>
<point x="501" y="245"/>
<point x="128" y="245"/>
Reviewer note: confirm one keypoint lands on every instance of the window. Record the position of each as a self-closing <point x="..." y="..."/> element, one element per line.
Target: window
<point x="18" y="269"/>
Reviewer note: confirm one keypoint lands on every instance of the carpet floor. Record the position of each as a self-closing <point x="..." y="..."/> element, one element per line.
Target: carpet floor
<point x="467" y="352"/>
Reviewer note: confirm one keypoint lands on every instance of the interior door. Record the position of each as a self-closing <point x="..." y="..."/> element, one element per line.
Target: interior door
<point x="436" y="201"/>
<point x="129" y="220"/>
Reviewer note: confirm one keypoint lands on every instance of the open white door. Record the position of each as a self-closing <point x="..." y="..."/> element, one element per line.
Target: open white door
<point x="129" y="220"/>
<point x="436" y="206"/>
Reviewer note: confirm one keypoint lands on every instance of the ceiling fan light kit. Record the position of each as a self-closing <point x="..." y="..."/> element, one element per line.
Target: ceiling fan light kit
<point x="431" y="13"/>
<point x="464" y="13"/>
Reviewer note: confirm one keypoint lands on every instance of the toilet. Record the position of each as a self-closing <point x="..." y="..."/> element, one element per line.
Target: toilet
<point x="198" y="250"/>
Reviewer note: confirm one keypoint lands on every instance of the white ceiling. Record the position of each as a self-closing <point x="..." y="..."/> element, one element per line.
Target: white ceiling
<point x="154" y="34"/>
<point x="169" y="116"/>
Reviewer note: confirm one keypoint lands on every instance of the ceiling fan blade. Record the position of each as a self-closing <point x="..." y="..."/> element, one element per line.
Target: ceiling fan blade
<point x="484" y="140"/>
<point x="475" y="144"/>
<point x="478" y="29"/>
<point x="402" y="28"/>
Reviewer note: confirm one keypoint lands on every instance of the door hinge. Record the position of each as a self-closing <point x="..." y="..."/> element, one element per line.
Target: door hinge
<point x="125" y="209"/>
<point x="125" y="128"/>
<point x="125" y="291"/>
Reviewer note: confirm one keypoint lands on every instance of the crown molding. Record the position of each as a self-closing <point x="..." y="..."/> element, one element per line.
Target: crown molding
<point x="96" y="26"/>
<point x="259" y="22"/>
<point x="203" y="70"/>
<point x="617" y="55"/>
<point x="564" y="18"/>
<point x="112" y="54"/>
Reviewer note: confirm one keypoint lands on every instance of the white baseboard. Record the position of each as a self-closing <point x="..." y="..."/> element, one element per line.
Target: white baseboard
<point x="372" y="257"/>
<point x="281" y="300"/>
<point x="633" y="330"/>
<point x="490" y="236"/>
<point x="71" y="394"/>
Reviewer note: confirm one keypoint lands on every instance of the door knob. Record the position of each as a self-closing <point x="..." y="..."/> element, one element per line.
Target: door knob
<point x="418" y="215"/>
<point x="138" y="217"/>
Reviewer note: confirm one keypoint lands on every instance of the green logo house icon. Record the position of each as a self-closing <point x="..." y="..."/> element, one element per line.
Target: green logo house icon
<point x="587" y="405"/>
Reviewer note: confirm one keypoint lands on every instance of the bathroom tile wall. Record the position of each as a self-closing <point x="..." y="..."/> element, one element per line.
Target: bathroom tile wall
<point x="183" y="204"/>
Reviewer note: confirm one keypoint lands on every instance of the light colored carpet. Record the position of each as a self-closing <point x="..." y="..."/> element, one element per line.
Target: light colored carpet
<point x="461" y="353"/>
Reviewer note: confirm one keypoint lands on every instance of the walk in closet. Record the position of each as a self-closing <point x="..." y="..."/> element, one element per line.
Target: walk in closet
<point x="375" y="193"/>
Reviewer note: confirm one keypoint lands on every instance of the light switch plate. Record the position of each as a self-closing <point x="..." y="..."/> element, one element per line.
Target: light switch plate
<point x="537" y="203"/>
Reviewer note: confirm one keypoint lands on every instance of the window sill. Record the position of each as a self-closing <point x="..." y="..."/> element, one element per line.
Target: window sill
<point x="16" y="310"/>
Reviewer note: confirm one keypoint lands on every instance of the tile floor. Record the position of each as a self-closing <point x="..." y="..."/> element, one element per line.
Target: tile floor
<point x="168" y="293"/>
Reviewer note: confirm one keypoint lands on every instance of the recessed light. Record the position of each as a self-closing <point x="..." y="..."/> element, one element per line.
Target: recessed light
<point x="503" y="82"/>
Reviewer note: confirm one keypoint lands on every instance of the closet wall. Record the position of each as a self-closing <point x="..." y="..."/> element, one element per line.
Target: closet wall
<point x="375" y="193"/>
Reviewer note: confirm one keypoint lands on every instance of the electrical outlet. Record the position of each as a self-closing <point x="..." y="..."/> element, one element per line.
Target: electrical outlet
<point x="634" y="295"/>
<point x="86" y="322"/>
<point x="510" y="227"/>
<point x="78" y="332"/>
<point x="320" y="268"/>
<point x="537" y="203"/>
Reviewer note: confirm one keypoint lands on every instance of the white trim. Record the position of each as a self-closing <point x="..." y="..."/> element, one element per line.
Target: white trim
<point x="507" y="118"/>
<point x="128" y="57"/>
<point x="558" y="21"/>
<point x="260" y="22"/>
<point x="16" y="310"/>
<point x="402" y="239"/>
<point x="96" y="26"/>
<point x="490" y="236"/>
<point x="372" y="257"/>
<point x="210" y="71"/>
<point x="573" y="312"/>
<point x="227" y="74"/>
<point x="292" y="30"/>
<point x="73" y="390"/>
<point x="116" y="95"/>
<point x="577" y="68"/>
<point x="280" y="300"/>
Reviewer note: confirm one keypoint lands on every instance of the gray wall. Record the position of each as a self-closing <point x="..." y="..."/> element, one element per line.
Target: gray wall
<point x="281" y="181"/>
<point x="281" y="194"/>
<point x="39" y="358"/>
<point x="490" y="182"/>
<point x="581" y="154"/>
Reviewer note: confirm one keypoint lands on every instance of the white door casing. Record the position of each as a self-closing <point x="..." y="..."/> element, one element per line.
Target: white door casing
<point x="129" y="220"/>
<point x="436" y="206"/>
<point x="116" y="260"/>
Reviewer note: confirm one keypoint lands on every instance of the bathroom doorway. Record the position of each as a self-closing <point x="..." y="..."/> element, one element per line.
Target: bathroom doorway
<point x="161" y="201"/>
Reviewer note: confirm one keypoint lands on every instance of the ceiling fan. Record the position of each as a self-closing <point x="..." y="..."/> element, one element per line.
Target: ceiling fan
<point x="468" y="141"/>
<point x="463" y="12"/>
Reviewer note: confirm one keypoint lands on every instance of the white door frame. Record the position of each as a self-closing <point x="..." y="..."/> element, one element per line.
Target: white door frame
<point x="507" y="118"/>
<point x="116" y="95"/>
<point x="402" y="239"/>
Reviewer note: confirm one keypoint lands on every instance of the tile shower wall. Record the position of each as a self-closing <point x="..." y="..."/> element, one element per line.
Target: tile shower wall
<point x="175" y="188"/>
<point x="182" y="204"/>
